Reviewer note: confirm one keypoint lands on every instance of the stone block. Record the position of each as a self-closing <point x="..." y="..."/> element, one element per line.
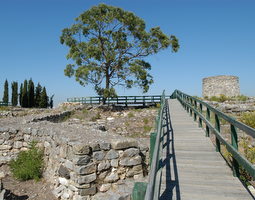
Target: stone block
<point x="105" y="146"/>
<point x="63" y="181"/>
<point x="82" y="160"/>
<point x="81" y="149"/>
<point x="127" y="161"/>
<point x="64" y="172"/>
<point x="87" y="179"/>
<point x="104" y="165"/>
<point x="98" y="155"/>
<point x="89" y="191"/>
<point x="95" y="147"/>
<point x="131" y="152"/>
<point x="17" y="144"/>
<point x="88" y="169"/>
<point x="112" y="154"/>
<point x="112" y="177"/>
<point x="105" y="187"/>
<point x="115" y="163"/>
<point x="138" y="169"/>
<point x="124" y="144"/>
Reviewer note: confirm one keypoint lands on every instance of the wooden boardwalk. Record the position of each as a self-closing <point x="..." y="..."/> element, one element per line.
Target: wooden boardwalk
<point x="191" y="169"/>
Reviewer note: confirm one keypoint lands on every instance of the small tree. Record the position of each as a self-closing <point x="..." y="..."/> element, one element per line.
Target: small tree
<point x="24" y="95"/>
<point x="31" y="94"/>
<point x="44" y="99"/>
<point x="51" y="101"/>
<point x="6" y="92"/>
<point x="14" y="93"/>
<point x="20" y="94"/>
<point x="38" y="91"/>
<point x="108" y="45"/>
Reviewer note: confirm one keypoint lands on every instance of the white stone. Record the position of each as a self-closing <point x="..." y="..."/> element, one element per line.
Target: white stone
<point x="105" y="187"/>
<point x="63" y="181"/>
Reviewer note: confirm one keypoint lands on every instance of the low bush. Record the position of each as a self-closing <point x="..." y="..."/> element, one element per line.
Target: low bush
<point x="28" y="164"/>
<point x="248" y="119"/>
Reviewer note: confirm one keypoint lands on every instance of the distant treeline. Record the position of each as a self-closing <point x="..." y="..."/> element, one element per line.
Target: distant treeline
<point x="28" y="96"/>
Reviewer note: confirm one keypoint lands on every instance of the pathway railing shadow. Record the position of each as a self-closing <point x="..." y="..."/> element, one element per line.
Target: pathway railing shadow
<point x="169" y="162"/>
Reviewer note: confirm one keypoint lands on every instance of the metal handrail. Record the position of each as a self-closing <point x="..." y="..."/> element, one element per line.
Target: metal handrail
<point x="151" y="192"/>
<point x="118" y="100"/>
<point x="191" y="105"/>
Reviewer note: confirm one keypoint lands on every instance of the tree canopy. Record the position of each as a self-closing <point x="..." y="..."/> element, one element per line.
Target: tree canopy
<point x="108" y="46"/>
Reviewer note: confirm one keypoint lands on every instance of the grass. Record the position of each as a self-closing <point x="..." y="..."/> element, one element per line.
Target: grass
<point x="130" y="115"/>
<point x="96" y="117"/>
<point x="29" y="164"/>
<point x="4" y="108"/>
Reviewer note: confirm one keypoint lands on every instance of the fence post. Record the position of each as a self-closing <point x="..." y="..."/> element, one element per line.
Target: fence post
<point x="234" y="143"/>
<point x="208" y="117"/>
<point x="139" y="191"/>
<point x="200" y="119"/>
<point x="195" y="114"/>
<point x="153" y="137"/>
<point x="217" y="126"/>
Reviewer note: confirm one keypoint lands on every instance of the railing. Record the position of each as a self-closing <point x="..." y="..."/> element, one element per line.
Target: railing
<point x="120" y="100"/>
<point x="196" y="107"/>
<point x="4" y="104"/>
<point x="151" y="191"/>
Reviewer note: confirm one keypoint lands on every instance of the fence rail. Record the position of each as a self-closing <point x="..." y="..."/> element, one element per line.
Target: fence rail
<point x="4" y="104"/>
<point x="120" y="100"/>
<point x="151" y="191"/>
<point x="196" y="107"/>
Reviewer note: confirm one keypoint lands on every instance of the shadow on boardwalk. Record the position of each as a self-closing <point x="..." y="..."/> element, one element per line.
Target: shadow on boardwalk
<point x="169" y="160"/>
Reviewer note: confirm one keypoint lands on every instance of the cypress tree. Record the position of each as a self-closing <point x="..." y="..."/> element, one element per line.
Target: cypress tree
<point x="6" y="92"/>
<point x="25" y="95"/>
<point x="14" y="93"/>
<point x="51" y="101"/>
<point x="31" y="94"/>
<point x="20" y="94"/>
<point x="44" y="99"/>
<point x="38" y="91"/>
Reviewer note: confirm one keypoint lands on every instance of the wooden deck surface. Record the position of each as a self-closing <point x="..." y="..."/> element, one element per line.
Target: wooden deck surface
<point x="191" y="169"/>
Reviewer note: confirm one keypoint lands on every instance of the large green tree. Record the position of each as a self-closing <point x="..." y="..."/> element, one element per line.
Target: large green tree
<point x="31" y="94"/>
<point x="108" y="45"/>
<point x="20" y="94"/>
<point x="24" y="96"/>
<point x="14" y="93"/>
<point x="38" y="91"/>
<point x="43" y="99"/>
<point x="6" y="92"/>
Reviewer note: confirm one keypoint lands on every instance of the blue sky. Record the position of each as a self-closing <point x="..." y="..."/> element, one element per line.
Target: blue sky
<point x="217" y="37"/>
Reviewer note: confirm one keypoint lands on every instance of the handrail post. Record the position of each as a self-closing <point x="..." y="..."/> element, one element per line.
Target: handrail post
<point x="195" y="114"/>
<point x="208" y="117"/>
<point x="234" y="143"/>
<point x="217" y="126"/>
<point x="200" y="119"/>
<point x="190" y="110"/>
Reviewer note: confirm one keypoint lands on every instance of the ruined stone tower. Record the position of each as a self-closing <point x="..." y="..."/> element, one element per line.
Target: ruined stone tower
<point x="217" y="85"/>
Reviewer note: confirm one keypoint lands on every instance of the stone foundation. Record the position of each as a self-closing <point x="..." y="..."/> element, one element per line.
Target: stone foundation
<point x="75" y="169"/>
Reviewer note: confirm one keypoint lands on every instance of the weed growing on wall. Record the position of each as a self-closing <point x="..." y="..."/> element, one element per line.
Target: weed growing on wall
<point x="28" y="164"/>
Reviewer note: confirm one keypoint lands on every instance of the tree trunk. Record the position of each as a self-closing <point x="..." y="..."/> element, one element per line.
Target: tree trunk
<point x="107" y="85"/>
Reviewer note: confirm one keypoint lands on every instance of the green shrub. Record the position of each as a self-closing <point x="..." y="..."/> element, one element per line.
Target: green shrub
<point x="29" y="164"/>
<point x="96" y="117"/>
<point x="145" y="120"/>
<point x="130" y="115"/>
<point x="242" y="98"/>
<point x="221" y="98"/>
<point x="248" y="119"/>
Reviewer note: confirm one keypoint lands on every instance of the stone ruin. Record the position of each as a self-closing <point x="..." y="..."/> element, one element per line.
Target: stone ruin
<point x="77" y="167"/>
<point x="218" y="85"/>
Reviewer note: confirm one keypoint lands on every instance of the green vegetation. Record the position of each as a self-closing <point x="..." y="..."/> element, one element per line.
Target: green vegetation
<point x="147" y="128"/>
<point x="130" y="115"/>
<point x="96" y="117"/>
<point x="14" y="93"/>
<point x="6" y="92"/>
<point x="29" y="164"/>
<point x="223" y="98"/>
<point x="108" y="45"/>
<point x="145" y="121"/>
<point x="248" y="119"/>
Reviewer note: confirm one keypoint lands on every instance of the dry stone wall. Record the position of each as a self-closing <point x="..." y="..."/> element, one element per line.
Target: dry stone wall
<point x="75" y="169"/>
<point x="217" y="85"/>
